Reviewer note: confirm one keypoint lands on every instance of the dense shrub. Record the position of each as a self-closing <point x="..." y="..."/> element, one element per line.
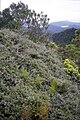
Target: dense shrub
<point x="33" y="83"/>
<point x="52" y="45"/>
<point x="71" y="67"/>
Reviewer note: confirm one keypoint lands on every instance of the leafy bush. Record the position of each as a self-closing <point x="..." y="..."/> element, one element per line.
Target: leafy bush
<point x="53" y="87"/>
<point x="71" y="67"/>
<point x="52" y="45"/>
<point x="72" y="51"/>
<point x="24" y="73"/>
<point x="1" y="35"/>
<point x="38" y="80"/>
<point x="62" y="86"/>
<point x="34" y="87"/>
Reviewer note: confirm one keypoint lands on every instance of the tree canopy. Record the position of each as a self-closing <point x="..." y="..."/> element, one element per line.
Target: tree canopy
<point x="13" y="16"/>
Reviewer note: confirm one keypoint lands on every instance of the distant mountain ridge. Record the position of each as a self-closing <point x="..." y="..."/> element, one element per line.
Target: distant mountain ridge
<point x="56" y="27"/>
<point x="64" y="37"/>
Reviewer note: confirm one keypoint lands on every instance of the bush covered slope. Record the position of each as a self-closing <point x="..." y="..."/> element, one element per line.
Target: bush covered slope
<point x="33" y="81"/>
<point x="64" y="37"/>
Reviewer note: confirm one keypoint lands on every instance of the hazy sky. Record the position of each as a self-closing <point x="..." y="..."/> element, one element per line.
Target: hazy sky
<point x="57" y="10"/>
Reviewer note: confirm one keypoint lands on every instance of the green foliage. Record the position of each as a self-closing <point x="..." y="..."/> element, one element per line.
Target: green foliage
<point x="14" y="25"/>
<point x="62" y="86"/>
<point x="30" y="74"/>
<point x="38" y="80"/>
<point x="71" y="47"/>
<point x="69" y="51"/>
<point x="1" y="35"/>
<point x="78" y="75"/>
<point x="71" y="67"/>
<point x="5" y="18"/>
<point x="52" y="45"/>
<point x="13" y="16"/>
<point x="53" y="87"/>
<point x="72" y="51"/>
<point x="64" y="37"/>
<point x="76" y="40"/>
<point x="24" y="73"/>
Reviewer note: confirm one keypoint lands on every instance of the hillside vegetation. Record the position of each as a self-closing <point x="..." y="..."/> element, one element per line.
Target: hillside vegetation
<point x="34" y="84"/>
<point x="64" y="37"/>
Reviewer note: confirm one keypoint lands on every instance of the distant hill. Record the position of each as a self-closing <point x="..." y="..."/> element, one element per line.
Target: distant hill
<point x="56" y="27"/>
<point x="64" y="36"/>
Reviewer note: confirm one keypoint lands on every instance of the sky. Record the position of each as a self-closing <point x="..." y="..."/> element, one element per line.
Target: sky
<point x="57" y="10"/>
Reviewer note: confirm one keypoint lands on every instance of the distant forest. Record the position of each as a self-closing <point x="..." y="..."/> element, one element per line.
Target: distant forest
<point x="64" y="37"/>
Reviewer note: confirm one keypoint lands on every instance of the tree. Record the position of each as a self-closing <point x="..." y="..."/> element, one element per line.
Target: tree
<point x="76" y="40"/>
<point x="5" y="18"/>
<point x="16" y="13"/>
